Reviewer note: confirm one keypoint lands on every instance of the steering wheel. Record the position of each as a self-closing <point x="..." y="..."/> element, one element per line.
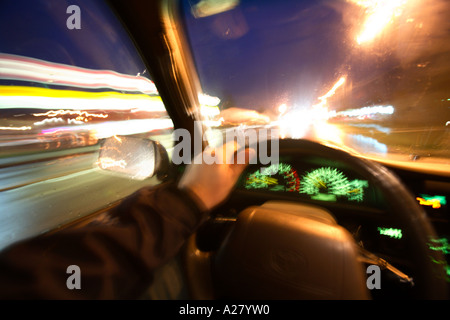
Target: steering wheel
<point x="429" y="277"/>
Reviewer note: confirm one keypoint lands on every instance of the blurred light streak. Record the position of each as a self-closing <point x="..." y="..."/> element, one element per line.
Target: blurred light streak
<point x="49" y="121"/>
<point x="367" y="111"/>
<point x="320" y="110"/>
<point x="105" y="163"/>
<point x="81" y="116"/>
<point x="114" y="128"/>
<point x="23" y="128"/>
<point x="44" y="98"/>
<point x="117" y="138"/>
<point x="14" y="67"/>
<point x="84" y="114"/>
<point x="372" y="126"/>
<point x="366" y="145"/>
<point x="332" y="91"/>
<point x="75" y="121"/>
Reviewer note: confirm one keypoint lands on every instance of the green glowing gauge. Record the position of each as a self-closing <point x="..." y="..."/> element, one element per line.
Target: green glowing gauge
<point x="327" y="184"/>
<point x="356" y="190"/>
<point x="393" y="233"/>
<point x="442" y="245"/>
<point x="277" y="177"/>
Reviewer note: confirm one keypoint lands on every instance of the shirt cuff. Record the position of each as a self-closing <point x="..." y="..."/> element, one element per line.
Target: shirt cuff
<point x="190" y="199"/>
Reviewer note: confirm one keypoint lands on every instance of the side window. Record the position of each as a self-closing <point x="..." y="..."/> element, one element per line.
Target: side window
<point x="70" y="77"/>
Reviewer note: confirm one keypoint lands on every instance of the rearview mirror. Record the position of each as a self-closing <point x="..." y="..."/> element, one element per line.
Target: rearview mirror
<point x="133" y="157"/>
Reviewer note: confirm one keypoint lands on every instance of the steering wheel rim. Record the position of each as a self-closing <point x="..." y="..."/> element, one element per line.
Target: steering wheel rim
<point x="429" y="278"/>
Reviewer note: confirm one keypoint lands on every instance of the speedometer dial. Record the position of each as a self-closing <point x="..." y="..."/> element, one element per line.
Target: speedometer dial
<point x="325" y="184"/>
<point x="329" y="184"/>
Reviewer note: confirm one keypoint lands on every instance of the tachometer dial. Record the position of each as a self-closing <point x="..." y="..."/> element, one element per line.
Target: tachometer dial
<point x="356" y="190"/>
<point x="277" y="177"/>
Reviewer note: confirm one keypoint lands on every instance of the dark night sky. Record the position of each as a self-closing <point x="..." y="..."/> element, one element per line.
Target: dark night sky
<point x="281" y="52"/>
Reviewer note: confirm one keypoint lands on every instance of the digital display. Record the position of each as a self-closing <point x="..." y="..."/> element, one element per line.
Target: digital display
<point x="323" y="183"/>
<point x="432" y="201"/>
<point x="393" y="233"/>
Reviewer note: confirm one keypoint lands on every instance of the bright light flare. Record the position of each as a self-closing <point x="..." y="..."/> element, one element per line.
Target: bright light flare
<point x="380" y="14"/>
<point x="297" y="123"/>
<point x="208" y="100"/>
<point x="327" y="132"/>
<point x="282" y="108"/>
<point x="209" y="112"/>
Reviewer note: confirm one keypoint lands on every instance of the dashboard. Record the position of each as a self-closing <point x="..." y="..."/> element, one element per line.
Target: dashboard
<point x="313" y="179"/>
<point x="356" y="202"/>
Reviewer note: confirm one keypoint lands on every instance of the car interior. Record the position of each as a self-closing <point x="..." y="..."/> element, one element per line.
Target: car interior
<point x="363" y="173"/>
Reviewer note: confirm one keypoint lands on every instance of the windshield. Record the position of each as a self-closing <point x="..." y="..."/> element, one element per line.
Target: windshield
<point x="370" y="76"/>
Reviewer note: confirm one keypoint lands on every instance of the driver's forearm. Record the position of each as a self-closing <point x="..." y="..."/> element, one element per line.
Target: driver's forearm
<point x="116" y="254"/>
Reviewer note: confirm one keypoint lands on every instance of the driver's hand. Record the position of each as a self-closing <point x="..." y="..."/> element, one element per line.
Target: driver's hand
<point x="212" y="183"/>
